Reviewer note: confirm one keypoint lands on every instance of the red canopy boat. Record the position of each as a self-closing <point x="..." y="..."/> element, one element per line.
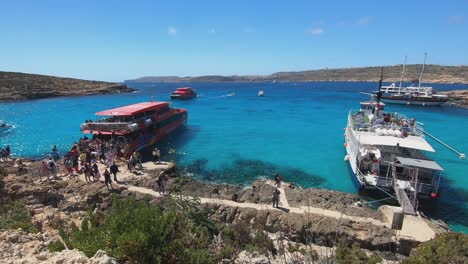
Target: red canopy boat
<point x="183" y="93"/>
<point x="136" y="126"/>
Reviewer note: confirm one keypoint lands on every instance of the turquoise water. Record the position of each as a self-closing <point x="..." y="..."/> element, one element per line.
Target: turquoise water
<point x="296" y="129"/>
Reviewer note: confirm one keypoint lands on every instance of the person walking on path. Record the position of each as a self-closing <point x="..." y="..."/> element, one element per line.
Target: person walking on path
<point x="107" y="179"/>
<point x="161" y="184"/>
<point x="276" y="194"/>
<point x="137" y="160"/>
<point x="278" y="180"/>
<point x="114" y="169"/>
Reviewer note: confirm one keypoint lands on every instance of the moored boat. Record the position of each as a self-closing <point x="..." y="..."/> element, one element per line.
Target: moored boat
<point x="412" y="95"/>
<point x="136" y="126"/>
<point x="183" y="93"/>
<point x="387" y="154"/>
<point x="260" y="93"/>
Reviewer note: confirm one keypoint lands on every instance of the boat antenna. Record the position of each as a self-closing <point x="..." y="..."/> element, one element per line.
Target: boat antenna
<point x="402" y="74"/>
<point x="422" y="69"/>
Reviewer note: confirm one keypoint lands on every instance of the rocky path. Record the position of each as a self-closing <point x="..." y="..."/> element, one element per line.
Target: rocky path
<point x="414" y="227"/>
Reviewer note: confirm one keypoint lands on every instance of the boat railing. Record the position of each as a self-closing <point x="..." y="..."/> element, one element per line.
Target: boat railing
<point x="107" y="126"/>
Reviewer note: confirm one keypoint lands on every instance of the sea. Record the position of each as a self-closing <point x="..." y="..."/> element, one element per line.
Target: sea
<point x="234" y="136"/>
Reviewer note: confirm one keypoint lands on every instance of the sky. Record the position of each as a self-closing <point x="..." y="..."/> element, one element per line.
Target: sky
<point x="117" y="40"/>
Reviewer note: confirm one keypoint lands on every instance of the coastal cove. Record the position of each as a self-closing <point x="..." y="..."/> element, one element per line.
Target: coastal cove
<point x="233" y="136"/>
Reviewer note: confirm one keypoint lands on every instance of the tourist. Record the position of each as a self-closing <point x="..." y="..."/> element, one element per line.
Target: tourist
<point x="278" y="180"/>
<point x="107" y="179"/>
<point x="130" y="165"/>
<point x="87" y="172"/>
<point x="114" y="169"/>
<point x="137" y="159"/>
<point x="75" y="163"/>
<point x="52" y="168"/>
<point x="69" y="166"/>
<point x="7" y="152"/>
<point x="155" y="155"/>
<point x="55" y="154"/>
<point x="276" y="194"/>
<point x="97" y="175"/>
<point x="161" y="185"/>
<point x="109" y="159"/>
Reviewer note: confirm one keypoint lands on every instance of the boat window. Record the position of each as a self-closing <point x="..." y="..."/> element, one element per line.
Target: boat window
<point x="139" y="115"/>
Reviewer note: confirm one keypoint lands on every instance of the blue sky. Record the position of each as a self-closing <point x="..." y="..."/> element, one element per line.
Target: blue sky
<point x="117" y="40"/>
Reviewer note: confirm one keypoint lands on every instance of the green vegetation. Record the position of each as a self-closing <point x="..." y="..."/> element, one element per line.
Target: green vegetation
<point x="176" y="231"/>
<point x="14" y="215"/>
<point x="56" y="246"/>
<point x="445" y="248"/>
<point x="354" y="255"/>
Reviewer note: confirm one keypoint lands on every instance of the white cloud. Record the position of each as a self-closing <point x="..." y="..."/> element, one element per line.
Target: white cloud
<point x="315" y="31"/>
<point x="172" y="31"/>
<point x="212" y="31"/>
<point x="456" y="19"/>
<point x="365" y="20"/>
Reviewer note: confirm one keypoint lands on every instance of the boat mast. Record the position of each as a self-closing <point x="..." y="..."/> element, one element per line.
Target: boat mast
<point x="379" y="95"/>
<point x="422" y="70"/>
<point x="402" y="75"/>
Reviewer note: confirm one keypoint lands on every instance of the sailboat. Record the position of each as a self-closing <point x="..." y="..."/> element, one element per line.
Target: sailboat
<point x="260" y="93"/>
<point x="412" y="95"/>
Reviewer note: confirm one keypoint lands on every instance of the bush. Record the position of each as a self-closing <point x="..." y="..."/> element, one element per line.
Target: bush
<point x="354" y="255"/>
<point x="138" y="233"/>
<point x="445" y="248"/>
<point x="55" y="246"/>
<point x="14" y="215"/>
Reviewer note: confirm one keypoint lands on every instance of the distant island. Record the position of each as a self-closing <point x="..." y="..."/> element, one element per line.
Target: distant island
<point x="432" y="74"/>
<point x="23" y="86"/>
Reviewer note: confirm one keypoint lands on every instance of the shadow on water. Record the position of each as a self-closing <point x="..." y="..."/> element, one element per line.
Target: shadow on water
<point x="175" y="141"/>
<point x="451" y="206"/>
<point x="244" y="171"/>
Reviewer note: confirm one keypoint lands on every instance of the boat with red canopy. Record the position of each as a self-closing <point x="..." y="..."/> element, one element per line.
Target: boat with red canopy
<point x="183" y="93"/>
<point x="136" y="126"/>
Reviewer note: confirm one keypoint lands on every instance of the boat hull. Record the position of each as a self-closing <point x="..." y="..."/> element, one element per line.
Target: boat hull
<point x="149" y="139"/>
<point x="413" y="102"/>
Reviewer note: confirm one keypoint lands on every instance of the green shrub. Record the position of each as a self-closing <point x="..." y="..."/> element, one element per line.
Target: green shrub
<point x="445" y="248"/>
<point x="14" y="215"/>
<point x="56" y="246"/>
<point x="354" y="255"/>
<point x="139" y="233"/>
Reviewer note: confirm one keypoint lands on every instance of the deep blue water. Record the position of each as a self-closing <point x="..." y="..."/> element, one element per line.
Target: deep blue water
<point x="296" y="130"/>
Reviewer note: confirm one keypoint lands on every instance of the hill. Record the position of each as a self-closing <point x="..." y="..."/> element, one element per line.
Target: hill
<point x="432" y="74"/>
<point x="22" y="86"/>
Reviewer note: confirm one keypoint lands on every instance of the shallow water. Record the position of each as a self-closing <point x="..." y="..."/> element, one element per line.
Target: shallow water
<point x="296" y="130"/>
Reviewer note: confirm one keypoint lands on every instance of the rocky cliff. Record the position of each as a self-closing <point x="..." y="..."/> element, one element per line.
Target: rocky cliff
<point x="22" y="86"/>
<point x="457" y="98"/>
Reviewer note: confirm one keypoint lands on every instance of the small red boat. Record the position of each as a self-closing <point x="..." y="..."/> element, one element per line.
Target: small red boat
<point x="183" y="93"/>
<point x="136" y="126"/>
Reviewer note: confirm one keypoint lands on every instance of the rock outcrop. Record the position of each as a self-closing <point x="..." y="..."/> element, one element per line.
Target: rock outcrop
<point x="22" y="86"/>
<point x="457" y="98"/>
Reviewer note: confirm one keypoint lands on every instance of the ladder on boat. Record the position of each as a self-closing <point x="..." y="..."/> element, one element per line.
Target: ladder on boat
<point x="402" y="196"/>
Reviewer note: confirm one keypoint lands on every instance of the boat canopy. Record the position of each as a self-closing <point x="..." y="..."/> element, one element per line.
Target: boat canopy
<point x="426" y="164"/>
<point x="131" y="109"/>
<point x="412" y="142"/>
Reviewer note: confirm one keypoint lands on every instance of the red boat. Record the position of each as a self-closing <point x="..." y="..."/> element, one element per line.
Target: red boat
<point x="136" y="126"/>
<point x="183" y="93"/>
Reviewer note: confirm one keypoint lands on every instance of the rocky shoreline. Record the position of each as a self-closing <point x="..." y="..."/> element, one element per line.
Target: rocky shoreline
<point x="306" y="216"/>
<point x="21" y="86"/>
<point x="458" y="98"/>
